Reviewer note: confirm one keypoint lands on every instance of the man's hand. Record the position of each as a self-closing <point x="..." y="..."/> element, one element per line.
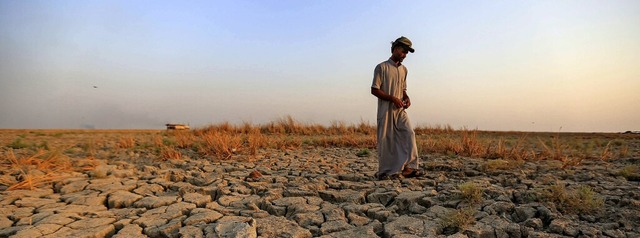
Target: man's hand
<point x="380" y="94"/>
<point x="407" y="103"/>
<point x="396" y="101"/>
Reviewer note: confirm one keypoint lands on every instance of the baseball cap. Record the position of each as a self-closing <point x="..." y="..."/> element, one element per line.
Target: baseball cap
<point x="405" y="42"/>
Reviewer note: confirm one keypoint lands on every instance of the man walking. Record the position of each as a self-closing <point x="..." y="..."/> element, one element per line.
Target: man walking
<point x="397" y="149"/>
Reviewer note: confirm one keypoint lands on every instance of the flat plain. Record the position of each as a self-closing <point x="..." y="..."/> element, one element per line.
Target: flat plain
<point x="287" y="179"/>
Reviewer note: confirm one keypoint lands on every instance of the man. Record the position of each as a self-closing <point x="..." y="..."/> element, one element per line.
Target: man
<point x="397" y="150"/>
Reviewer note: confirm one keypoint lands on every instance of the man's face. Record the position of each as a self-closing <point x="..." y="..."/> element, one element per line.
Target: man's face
<point x="399" y="53"/>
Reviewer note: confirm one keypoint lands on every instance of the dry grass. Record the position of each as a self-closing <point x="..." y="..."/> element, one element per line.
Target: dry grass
<point x="582" y="200"/>
<point x="169" y="153"/>
<point x="220" y="144"/>
<point x="457" y="220"/>
<point x="630" y="172"/>
<point x="126" y="142"/>
<point x="38" y="169"/>
<point x="35" y="163"/>
<point x="470" y="192"/>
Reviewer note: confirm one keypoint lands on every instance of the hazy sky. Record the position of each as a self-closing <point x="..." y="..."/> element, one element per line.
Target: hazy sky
<point x="491" y="65"/>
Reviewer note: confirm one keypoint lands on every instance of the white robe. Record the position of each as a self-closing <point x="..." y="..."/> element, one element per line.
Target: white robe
<point x="397" y="147"/>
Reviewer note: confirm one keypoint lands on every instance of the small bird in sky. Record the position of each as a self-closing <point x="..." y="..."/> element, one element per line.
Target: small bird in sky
<point x="95" y="86"/>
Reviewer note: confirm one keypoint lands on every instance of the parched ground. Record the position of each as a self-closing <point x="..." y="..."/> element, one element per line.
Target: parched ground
<point x="328" y="192"/>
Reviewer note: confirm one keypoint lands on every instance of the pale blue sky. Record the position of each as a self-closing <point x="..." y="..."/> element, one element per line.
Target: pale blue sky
<point x="491" y="65"/>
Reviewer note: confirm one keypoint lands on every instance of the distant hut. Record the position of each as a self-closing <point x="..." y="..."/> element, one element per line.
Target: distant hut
<point x="177" y="127"/>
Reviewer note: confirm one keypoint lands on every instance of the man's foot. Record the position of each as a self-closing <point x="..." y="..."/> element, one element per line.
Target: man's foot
<point x="412" y="173"/>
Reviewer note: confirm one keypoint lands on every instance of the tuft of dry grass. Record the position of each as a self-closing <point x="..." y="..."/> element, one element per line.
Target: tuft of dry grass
<point x="457" y="220"/>
<point x="255" y="141"/>
<point x="220" y="144"/>
<point x="126" y="142"/>
<point x="582" y="200"/>
<point x="630" y="172"/>
<point x="470" y="192"/>
<point x="169" y="153"/>
<point x="501" y="164"/>
<point x="39" y="169"/>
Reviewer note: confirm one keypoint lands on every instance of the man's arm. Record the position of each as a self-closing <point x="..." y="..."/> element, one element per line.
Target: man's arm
<point x="380" y="94"/>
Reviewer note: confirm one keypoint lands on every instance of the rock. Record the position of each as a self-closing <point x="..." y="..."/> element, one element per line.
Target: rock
<point x="59" y="219"/>
<point x="226" y="200"/>
<point x="149" y="189"/>
<point x="130" y="231"/>
<point x="5" y="222"/>
<point x="365" y="231"/>
<point x="75" y="186"/>
<point x="534" y="223"/>
<point x="90" y="222"/>
<point x="33" y="202"/>
<point x="33" y="219"/>
<point x="190" y="232"/>
<point x="502" y="227"/>
<point x="171" y="229"/>
<point x="334" y="226"/>
<point x="344" y="195"/>
<point x="614" y="233"/>
<point x="357" y="220"/>
<point x="123" y="173"/>
<point x="523" y="213"/>
<point x="93" y="232"/>
<point x="405" y="200"/>
<point x="383" y="198"/>
<point x="122" y="199"/>
<point x="202" y="217"/>
<point x="499" y="208"/>
<point x="38" y="230"/>
<point x="92" y="199"/>
<point x="11" y="230"/>
<point x="308" y="219"/>
<point x="558" y="225"/>
<point x="155" y="202"/>
<point x="274" y="226"/>
<point x="479" y="230"/>
<point x="235" y="229"/>
<point x="198" y="199"/>
<point x="404" y="225"/>
<point x="332" y="213"/>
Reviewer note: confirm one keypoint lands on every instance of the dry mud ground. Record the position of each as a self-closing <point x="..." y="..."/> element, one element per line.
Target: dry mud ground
<point x="326" y="192"/>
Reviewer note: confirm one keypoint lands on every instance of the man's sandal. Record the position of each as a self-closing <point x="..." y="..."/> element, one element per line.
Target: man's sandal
<point x="412" y="173"/>
<point x="388" y="176"/>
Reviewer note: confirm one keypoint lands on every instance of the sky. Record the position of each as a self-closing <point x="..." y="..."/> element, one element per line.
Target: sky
<point x="569" y="66"/>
